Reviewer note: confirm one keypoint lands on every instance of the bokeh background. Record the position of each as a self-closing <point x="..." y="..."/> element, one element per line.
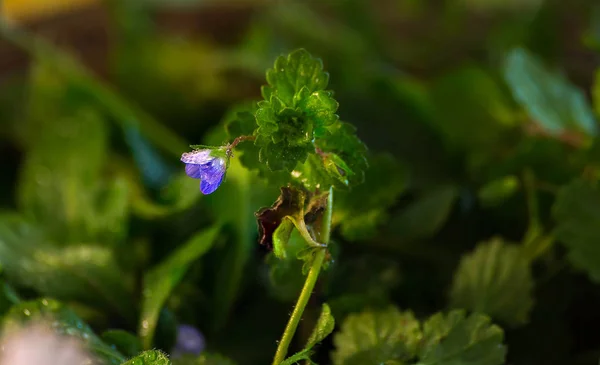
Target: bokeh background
<point x="475" y="113"/>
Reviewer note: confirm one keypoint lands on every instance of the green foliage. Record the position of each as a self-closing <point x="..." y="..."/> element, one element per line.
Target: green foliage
<point x="495" y="279"/>
<point x="548" y="97"/>
<point x="160" y="281"/>
<point x="296" y="110"/>
<point x="151" y="357"/>
<point x="577" y="224"/>
<point x="362" y="210"/>
<point x="297" y="131"/>
<point x="497" y="191"/>
<point x="488" y="116"/>
<point x="31" y="260"/>
<point x="100" y="214"/>
<point x="61" y="188"/>
<point x="393" y="337"/>
<point x="126" y="343"/>
<point x="376" y="337"/>
<point x="457" y="339"/>
<point x="63" y="321"/>
<point x="423" y="217"/>
<point x="323" y="328"/>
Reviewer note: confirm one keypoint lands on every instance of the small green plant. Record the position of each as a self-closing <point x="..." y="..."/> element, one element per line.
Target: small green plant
<point x="466" y="234"/>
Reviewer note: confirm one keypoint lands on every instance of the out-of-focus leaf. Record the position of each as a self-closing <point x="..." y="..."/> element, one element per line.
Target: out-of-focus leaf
<point x="455" y="339"/>
<point x="204" y="359"/>
<point x="376" y="337"/>
<point x="361" y="282"/>
<point x="179" y="194"/>
<point x="60" y="184"/>
<point x="470" y="110"/>
<point x="87" y="86"/>
<point x="80" y="272"/>
<point x="64" y="322"/>
<point x="154" y="170"/>
<point x="425" y="216"/>
<point x="126" y="343"/>
<point x="549" y="98"/>
<point x="577" y="213"/>
<point x="360" y="211"/>
<point x="160" y="281"/>
<point x="495" y="279"/>
<point x="151" y="357"/>
<point x="497" y="191"/>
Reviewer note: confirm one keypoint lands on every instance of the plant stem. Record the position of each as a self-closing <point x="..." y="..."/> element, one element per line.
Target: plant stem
<point x="311" y="279"/>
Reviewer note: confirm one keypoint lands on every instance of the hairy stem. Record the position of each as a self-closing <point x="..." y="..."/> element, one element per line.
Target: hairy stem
<point x="311" y="279"/>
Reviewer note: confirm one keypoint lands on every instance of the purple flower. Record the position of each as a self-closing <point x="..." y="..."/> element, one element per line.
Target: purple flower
<point x="189" y="341"/>
<point x="207" y="165"/>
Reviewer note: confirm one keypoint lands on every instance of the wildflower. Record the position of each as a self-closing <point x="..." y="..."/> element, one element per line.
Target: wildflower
<point x="208" y="165"/>
<point x="190" y="341"/>
<point x="38" y="344"/>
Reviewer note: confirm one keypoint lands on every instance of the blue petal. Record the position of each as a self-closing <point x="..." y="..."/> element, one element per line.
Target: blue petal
<point x="212" y="175"/>
<point x="193" y="171"/>
<point x="197" y="157"/>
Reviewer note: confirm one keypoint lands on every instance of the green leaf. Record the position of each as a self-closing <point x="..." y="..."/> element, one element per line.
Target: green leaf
<point x="160" y="281"/>
<point x="297" y="357"/>
<point x="152" y="357"/>
<point x="470" y="109"/>
<point x="497" y="191"/>
<point x="82" y="272"/>
<point x="360" y="211"/>
<point x="345" y="144"/>
<point x="293" y="72"/>
<point x="376" y="337"/>
<point x="323" y="328"/>
<point x="425" y="216"/>
<point x="578" y="225"/>
<point x="495" y="279"/>
<point x="455" y="339"/>
<point x="126" y="343"/>
<point x="281" y="236"/>
<point x="549" y="98"/>
<point x="61" y="187"/>
<point x="64" y="322"/>
<point x="320" y="107"/>
<point x="294" y="112"/>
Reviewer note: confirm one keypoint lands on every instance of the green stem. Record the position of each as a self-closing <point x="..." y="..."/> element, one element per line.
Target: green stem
<point x="311" y="279"/>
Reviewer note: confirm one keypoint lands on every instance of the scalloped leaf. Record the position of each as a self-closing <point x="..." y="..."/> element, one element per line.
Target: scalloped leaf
<point x="376" y="337"/>
<point x="455" y="339"/>
<point x="495" y="279"/>
<point x="577" y="213"/>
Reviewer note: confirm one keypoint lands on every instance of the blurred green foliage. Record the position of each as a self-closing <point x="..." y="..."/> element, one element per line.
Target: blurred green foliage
<point x="481" y="192"/>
